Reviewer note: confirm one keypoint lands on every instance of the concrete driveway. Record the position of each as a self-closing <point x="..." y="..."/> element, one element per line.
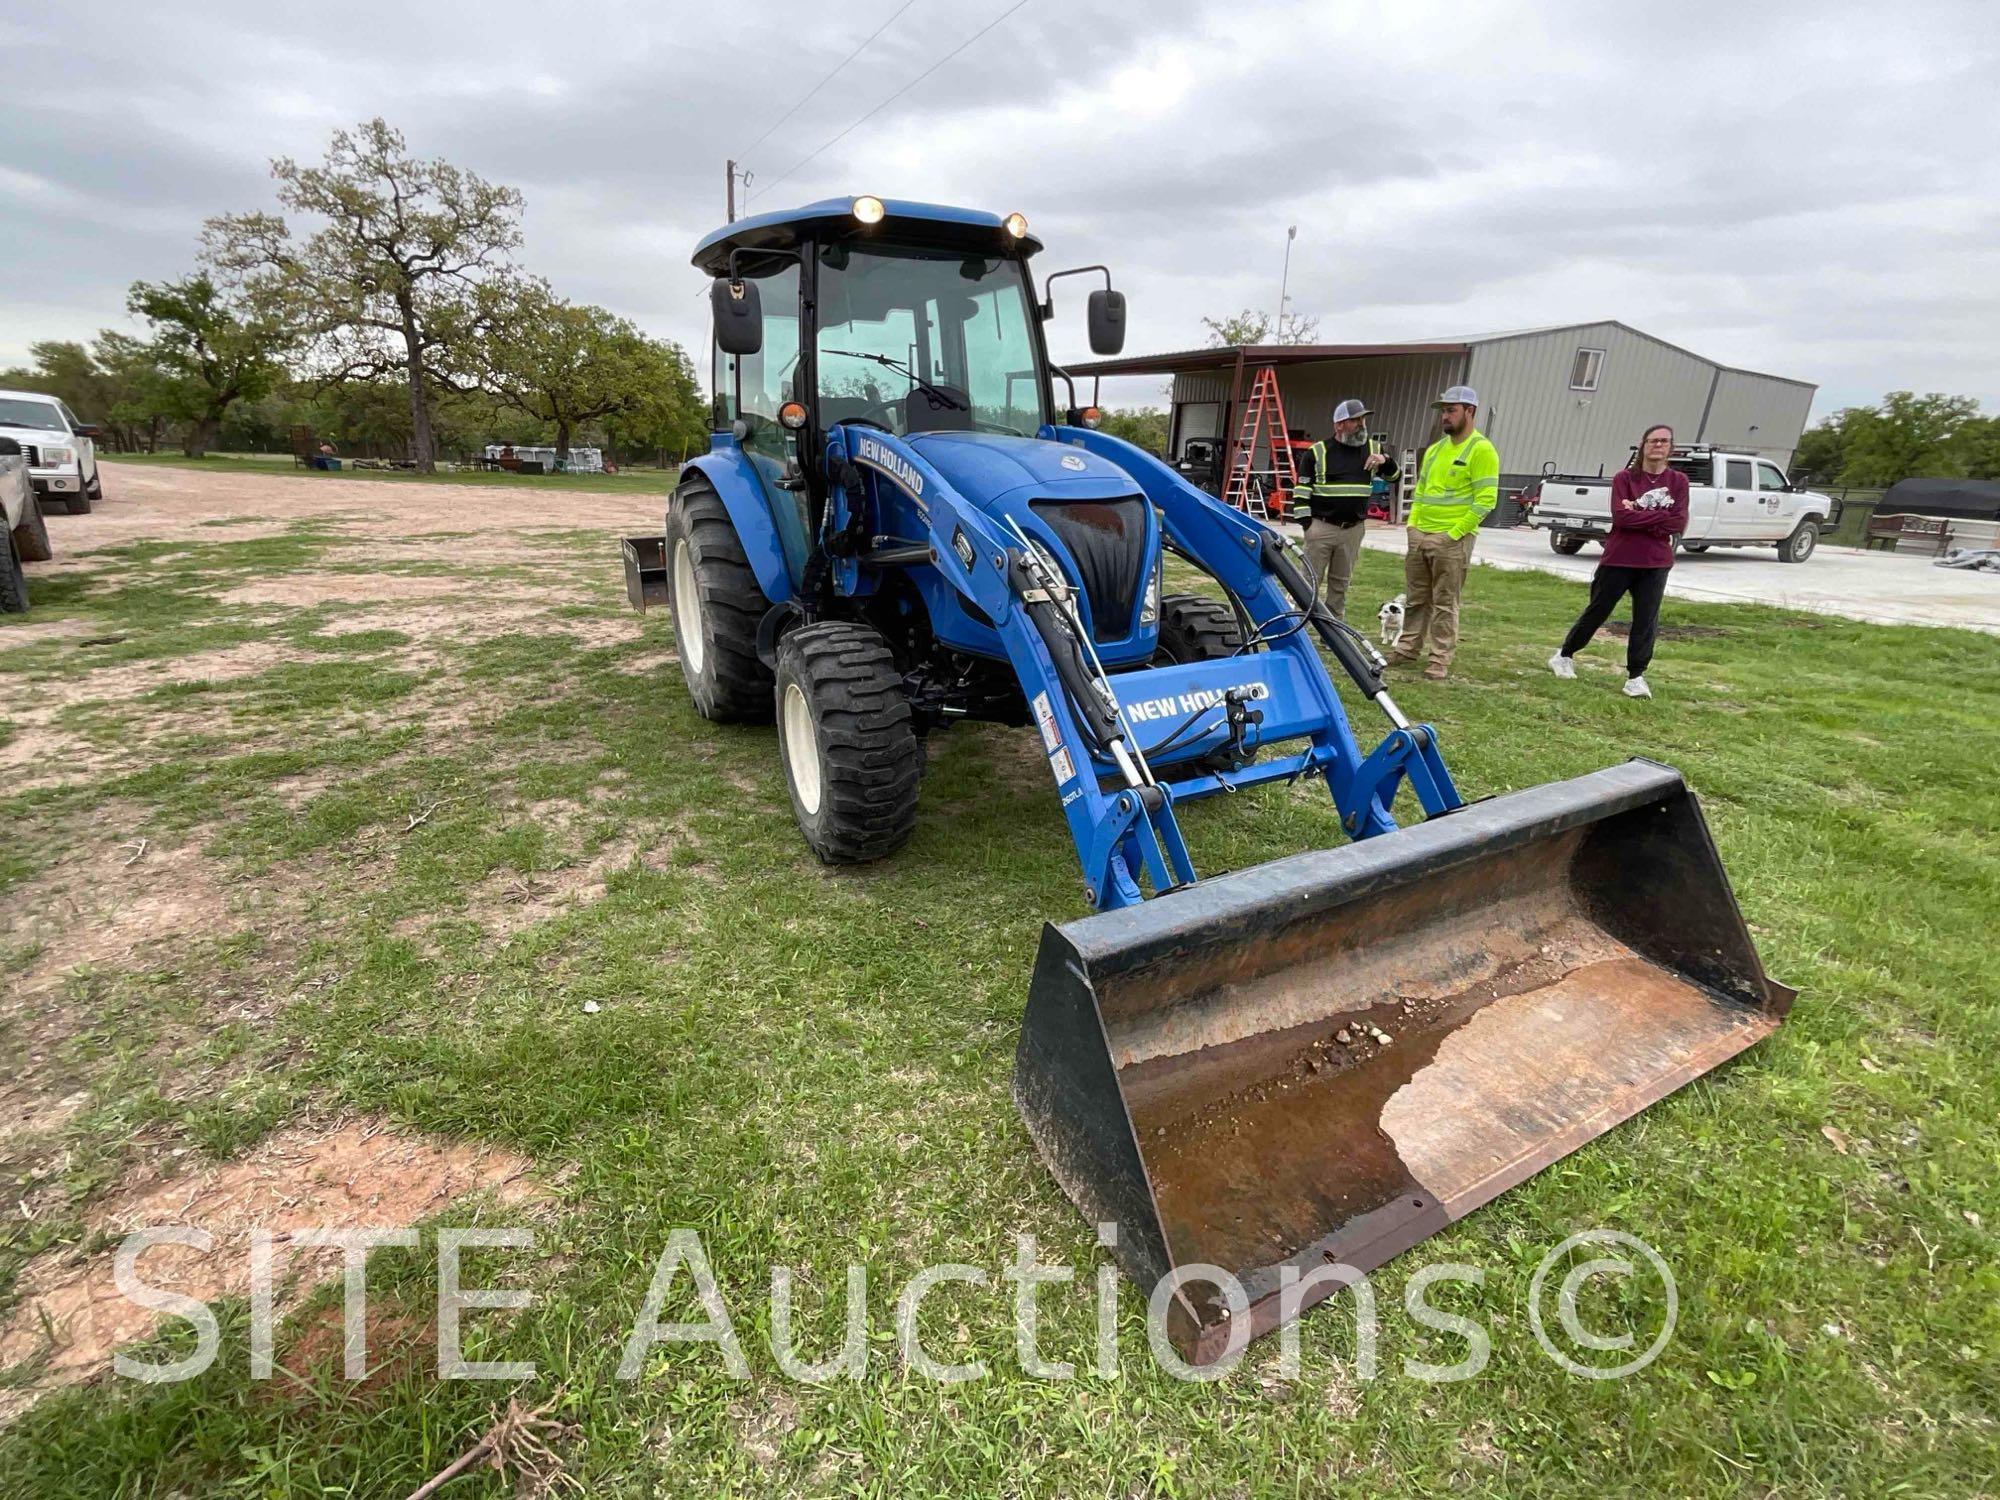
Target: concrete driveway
<point x="1882" y="588"/>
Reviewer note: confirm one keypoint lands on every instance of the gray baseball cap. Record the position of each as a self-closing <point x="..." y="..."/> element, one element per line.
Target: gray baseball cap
<point x="1351" y="411"/>
<point x="1458" y="395"/>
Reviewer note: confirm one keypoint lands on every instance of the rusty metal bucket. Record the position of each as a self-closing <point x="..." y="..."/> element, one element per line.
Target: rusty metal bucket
<point x="1325" y="1059"/>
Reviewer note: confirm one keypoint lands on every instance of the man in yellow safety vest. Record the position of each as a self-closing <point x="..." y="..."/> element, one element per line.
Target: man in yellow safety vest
<point x="1336" y="481"/>
<point x="1457" y="486"/>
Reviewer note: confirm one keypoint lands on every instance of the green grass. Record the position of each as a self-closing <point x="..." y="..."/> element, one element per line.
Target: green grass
<point x="645" y="481"/>
<point x="810" y="1067"/>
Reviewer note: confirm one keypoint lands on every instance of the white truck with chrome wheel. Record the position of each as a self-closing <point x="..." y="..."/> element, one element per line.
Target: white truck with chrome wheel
<point x="61" y="450"/>
<point x="1734" y="500"/>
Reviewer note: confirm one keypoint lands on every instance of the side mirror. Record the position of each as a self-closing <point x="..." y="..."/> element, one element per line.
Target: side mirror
<point x="89" y="430"/>
<point x="1107" y="321"/>
<point x="739" y="315"/>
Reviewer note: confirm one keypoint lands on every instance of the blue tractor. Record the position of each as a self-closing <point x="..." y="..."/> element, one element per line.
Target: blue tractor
<point x="1312" y="1063"/>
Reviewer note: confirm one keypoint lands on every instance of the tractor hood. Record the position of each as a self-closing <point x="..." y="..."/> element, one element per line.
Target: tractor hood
<point x="986" y="466"/>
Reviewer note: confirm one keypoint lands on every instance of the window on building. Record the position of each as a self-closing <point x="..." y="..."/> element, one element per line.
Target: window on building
<point x="1589" y="365"/>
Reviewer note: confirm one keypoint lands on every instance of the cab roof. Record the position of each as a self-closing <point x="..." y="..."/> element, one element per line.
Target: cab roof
<point x="903" y="219"/>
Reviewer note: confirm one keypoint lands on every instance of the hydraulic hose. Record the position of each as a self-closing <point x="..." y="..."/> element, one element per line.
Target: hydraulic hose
<point x="1348" y="646"/>
<point x="1097" y="719"/>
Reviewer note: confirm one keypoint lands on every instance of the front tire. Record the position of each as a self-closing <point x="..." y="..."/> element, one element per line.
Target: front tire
<point x="31" y="537"/>
<point x="845" y="735"/>
<point x="1196" y="628"/>
<point x="1800" y="545"/>
<point x="717" y="606"/>
<point x="13" y="582"/>
<point x="1694" y="549"/>
<point x="1566" y="542"/>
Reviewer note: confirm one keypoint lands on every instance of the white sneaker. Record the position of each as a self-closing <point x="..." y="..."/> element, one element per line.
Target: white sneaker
<point x="1635" y="687"/>
<point x="1562" y="666"/>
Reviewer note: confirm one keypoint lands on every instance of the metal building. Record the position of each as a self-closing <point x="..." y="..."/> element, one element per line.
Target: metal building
<point x="1576" y="395"/>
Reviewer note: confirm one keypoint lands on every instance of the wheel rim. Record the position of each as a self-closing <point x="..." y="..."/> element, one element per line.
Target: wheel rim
<point x="1805" y="544"/>
<point x="687" y="609"/>
<point x="801" y="748"/>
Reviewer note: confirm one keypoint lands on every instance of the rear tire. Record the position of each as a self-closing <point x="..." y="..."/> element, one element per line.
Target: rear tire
<point x="31" y="537"/>
<point x="13" y="582"/>
<point x="717" y="607"/>
<point x="1196" y="628"/>
<point x="1800" y="545"/>
<point x="844" y="733"/>
<point x="1567" y="543"/>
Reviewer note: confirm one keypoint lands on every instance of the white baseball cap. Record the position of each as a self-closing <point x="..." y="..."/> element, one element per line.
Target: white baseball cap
<point x="1350" y="411"/>
<point x="1458" y="395"/>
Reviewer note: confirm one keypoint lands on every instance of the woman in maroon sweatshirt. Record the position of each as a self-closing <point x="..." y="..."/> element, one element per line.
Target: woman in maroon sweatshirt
<point x="1649" y="508"/>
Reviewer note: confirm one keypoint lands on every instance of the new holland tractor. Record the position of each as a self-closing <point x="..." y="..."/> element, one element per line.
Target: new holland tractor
<point x="1290" y="1072"/>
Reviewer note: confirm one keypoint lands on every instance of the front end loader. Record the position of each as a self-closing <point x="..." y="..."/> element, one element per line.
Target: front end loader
<point x="1279" y="1072"/>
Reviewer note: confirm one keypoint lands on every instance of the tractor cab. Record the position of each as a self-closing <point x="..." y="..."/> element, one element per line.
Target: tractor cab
<point x="921" y="322"/>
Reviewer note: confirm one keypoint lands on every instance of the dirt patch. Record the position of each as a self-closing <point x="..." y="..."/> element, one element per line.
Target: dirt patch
<point x="108" y="899"/>
<point x="72" y="1318"/>
<point x="510" y="901"/>
<point x="26" y="1111"/>
<point x="396" y="1341"/>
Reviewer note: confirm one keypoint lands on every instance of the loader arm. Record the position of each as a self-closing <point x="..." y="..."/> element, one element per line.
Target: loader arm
<point x="1102" y="733"/>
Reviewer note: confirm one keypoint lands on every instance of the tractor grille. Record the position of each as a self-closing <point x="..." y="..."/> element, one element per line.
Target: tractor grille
<point x="1106" y="539"/>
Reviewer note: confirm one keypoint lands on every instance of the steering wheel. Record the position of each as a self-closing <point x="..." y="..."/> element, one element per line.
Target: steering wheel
<point x="863" y="419"/>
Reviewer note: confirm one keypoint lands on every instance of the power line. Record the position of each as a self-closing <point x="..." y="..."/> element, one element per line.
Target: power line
<point x="890" y="100"/>
<point x="824" y="81"/>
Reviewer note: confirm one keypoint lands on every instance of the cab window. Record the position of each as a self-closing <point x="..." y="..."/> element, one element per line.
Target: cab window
<point x="1769" y="478"/>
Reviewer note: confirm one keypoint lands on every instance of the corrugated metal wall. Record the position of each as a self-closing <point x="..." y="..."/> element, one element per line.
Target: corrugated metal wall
<point x="1203" y="387"/>
<point x="1399" y="390"/>
<point x="1532" y="415"/>
<point x="1529" y="410"/>
<point x="1758" y="414"/>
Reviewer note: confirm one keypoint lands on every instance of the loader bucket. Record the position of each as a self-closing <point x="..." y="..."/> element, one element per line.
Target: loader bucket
<point x="1206" y="1068"/>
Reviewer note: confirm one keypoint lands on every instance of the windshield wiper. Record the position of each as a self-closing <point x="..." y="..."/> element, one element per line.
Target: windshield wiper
<point x="948" y="400"/>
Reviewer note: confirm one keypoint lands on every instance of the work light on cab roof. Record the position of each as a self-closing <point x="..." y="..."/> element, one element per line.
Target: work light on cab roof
<point x="1299" y="1068"/>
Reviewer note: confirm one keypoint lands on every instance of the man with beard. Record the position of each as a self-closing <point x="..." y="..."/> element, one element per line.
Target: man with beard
<point x="1336" y="479"/>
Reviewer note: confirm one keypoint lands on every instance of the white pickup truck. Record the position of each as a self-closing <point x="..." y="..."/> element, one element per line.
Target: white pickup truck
<point x="62" y="451"/>
<point x="1734" y="500"/>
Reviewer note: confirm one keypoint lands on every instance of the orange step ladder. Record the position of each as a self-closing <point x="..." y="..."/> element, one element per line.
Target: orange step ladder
<point x="1263" y="417"/>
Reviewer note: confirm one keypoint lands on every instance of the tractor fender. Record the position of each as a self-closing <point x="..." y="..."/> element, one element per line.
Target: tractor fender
<point x="759" y="526"/>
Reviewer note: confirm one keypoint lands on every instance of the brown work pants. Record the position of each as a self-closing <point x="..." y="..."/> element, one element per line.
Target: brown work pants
<point x="1433" y="578"/>
<point x="1331" y="552"/>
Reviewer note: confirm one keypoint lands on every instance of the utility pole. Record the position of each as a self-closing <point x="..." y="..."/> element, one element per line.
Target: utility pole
<point x="734" y="176"/>
<point x="1284" y="282"/>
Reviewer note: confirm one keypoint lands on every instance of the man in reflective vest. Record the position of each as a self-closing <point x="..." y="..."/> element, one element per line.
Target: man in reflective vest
<point x="1336" y="480"/>
<point x="1457" y="485"/>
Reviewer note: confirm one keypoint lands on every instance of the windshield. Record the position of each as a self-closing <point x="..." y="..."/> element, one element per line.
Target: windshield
<point x="926" y="340"/>
<point x="15" y="412"/>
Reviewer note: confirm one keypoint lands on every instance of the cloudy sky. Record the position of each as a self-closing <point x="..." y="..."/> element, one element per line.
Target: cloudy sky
<point x="1808" y="189"/>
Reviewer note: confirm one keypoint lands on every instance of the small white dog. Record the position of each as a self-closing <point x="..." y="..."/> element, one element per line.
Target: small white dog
<point x="1392" y="620"/>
